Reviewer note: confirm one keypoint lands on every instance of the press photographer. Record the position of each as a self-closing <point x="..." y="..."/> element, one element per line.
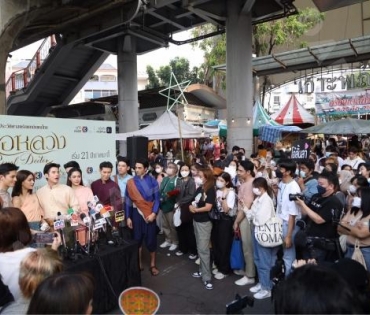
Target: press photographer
<point x="318" y="237"/>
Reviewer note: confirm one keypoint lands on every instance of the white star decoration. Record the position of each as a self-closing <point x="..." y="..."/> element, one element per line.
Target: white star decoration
<point x="178" y="87"/>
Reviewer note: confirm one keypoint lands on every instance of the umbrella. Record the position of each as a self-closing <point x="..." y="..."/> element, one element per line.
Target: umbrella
<point x="347" y="126"/>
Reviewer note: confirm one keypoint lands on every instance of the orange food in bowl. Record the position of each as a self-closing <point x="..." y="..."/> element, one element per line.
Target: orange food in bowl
<point x="139" y="300"/>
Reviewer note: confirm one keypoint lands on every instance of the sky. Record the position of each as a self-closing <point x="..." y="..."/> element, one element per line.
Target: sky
<point x="155" y="58"/>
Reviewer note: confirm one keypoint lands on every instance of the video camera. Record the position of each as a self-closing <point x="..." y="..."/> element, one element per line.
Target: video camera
<point x="240" y="302"/>
<point x="294" y="197"/>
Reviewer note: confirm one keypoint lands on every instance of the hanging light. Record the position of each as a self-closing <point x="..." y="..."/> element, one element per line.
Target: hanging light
<point x="248" y="120"/>
<point x="232" y="120"/>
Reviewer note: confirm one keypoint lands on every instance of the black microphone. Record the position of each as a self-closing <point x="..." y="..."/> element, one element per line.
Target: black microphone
<point x="85" y="219"/>
<point x="59" y="224"/>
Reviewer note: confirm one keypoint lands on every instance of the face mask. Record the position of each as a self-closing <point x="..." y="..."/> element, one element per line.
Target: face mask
<point x="232" y="167"/>
<point x="340" y="181"/>
<point x="198" y="181"/>
<point x="259" y="174"/>
<point x="321" y="190"/>
<point x="302" y="174"/>
<point x="222" y="157"/>
<point x="321" y="168"/>
<point x="327" y="154"/>
<point x="352" y="189"/>
<point x="185" y="173"/>
<point x="158" y="170"/>
<point x="356" y="202"/>
<point x="279" y="174"/>
<point x="256" y="191"/>
<point x="220" y="184"/>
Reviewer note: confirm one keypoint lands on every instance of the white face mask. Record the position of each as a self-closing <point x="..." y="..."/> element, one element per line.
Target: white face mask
<point x="352" y="189"/>
<point x="356" y="202"/>
<point x="198" y="181"/>
<point x="158" y="170"/>
<point x="220" y="184"/>
<point x="185" y="173"/>
<point x="256" y="191"/>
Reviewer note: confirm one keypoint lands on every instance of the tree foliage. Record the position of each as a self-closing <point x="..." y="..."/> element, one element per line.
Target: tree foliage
<point x="267" y="37"/>
<point x="181" y="69"/>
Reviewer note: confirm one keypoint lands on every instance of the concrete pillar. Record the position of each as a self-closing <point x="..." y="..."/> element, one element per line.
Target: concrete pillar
<point x="239" y="77"/>
<point x="128" y="104"/>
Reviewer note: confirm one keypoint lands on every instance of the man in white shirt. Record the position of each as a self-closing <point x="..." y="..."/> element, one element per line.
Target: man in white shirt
<point x="353" y="159"/>
<point x="288" y="210"/>
<point x="8" y="173"/>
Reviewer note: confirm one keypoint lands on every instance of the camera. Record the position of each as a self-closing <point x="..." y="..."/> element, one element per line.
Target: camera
<point x="294" y="197"/>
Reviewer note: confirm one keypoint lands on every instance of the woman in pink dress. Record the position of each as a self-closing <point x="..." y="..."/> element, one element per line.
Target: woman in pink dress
<point x="24" y="199"/>
<point x="84" y="194"/>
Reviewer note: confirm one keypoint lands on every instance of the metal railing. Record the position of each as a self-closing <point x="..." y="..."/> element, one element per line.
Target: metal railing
<point x="20" y="79"/>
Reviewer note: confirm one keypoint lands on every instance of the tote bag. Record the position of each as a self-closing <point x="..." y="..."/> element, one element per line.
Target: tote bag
<point x="271" y="233"/>
<point x="357" y="254"/>
<point x="236" y="255"/>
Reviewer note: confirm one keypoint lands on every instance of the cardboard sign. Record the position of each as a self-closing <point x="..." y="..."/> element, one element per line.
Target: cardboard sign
<point x="300" y="150"/>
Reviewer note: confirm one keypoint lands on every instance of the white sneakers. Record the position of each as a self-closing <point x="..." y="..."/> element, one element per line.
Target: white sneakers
<point x="262" y="294"/>
<point x="165" y="244"/>
<point x="168" y="244"/>
<point x="244" y="281"/>
<point x="214" y="271"/>
<point x="220" y="276"/>
<point x="173" y="247"/>
<point x="255" y="288"/>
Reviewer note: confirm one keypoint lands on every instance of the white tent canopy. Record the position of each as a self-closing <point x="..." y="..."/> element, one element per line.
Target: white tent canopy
<point x="166" y="127"/>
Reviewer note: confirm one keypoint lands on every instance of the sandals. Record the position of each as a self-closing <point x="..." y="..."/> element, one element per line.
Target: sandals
<point x="154" y="271"/>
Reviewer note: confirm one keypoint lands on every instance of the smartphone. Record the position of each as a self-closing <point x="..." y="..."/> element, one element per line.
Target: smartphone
<point x="44" y="238"/>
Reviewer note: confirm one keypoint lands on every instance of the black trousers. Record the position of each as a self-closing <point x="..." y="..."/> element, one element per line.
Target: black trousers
<point x="186" y="237"/>
<point x="222" y="237"/>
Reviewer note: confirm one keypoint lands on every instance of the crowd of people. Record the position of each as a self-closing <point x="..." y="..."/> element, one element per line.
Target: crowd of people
<point x="323" y="204"/>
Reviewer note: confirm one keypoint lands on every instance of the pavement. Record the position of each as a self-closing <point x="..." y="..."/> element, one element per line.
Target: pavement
<point x="180" y="293"/>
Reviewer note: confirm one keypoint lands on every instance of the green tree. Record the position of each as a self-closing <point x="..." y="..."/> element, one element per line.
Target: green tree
<point x="267" y="37"/>
<point x="152" y="78"/>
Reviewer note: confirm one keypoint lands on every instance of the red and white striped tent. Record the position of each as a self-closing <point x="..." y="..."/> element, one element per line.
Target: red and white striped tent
<point x="293" y="113"/>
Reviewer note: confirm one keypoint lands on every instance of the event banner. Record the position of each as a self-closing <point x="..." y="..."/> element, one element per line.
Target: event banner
<point x="32" y="142"/>
<point x="343" y="103"/>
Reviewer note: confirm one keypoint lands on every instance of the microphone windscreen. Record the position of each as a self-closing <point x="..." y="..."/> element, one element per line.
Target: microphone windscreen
<point x="59" y="213"/>
<point x="82" y="216"/>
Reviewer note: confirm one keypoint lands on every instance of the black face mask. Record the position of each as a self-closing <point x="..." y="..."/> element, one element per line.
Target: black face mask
<point x="222" y="157"/>
<point x="279" y="174"/>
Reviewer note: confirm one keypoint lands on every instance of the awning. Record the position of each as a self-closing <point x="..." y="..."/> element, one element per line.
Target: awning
<point x="274" y="133"/>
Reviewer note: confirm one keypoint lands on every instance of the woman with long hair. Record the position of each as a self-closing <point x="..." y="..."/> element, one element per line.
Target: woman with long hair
<point x="34" y="268"/>
<point x="15" y="239"/>
<point x="185" y="231"/>
<point x="357" y="221"/>
<point x="264" y="257"/>
<point x="222" y="231"/>
<point x="24" y="199"/>
<point x="204" y="200"/>
<point x="84" y="194"/>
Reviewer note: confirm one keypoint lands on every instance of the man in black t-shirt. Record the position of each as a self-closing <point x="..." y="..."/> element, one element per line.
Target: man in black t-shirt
<point x="320" y="212"/>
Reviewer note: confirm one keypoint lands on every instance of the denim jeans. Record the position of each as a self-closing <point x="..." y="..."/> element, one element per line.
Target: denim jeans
<point x="365" y="252"/>
<point x="289" y="253"/>
<point x="202" y="232"/>
<point x="264" y="258"/>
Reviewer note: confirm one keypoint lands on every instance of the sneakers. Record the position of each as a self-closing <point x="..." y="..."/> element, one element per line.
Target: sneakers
<point x="244" y="281"/>
<point x="262" y="294"/>
<point x="220" y="276"/>
<point x="173" y="247"/>
<point x="255" y="288"/>
<point x="165" y="244"/>
<point x="208" y="285"/>
<point x="215" y="271"/>
<point x="193" y="256"/>
<point x="179" y="253"/>
<point x="239" y="272"/>
<point x="196" y="274"/>
<point x="197" y="261"/>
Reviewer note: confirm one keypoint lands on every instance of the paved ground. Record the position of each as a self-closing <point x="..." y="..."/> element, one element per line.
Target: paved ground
<point x="180" y="293"/>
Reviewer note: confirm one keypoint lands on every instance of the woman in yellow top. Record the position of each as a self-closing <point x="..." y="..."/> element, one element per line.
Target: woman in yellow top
<point x="357" y="220"/>
<point x="24" y="199"/>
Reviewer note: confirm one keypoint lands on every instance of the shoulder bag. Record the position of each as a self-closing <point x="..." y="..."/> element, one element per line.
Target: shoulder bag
<point x="271" y="233"/>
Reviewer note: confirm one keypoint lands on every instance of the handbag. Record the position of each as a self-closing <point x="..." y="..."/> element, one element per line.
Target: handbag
<point x="236" y="254"/>
<point x="177" y="216"/>
<point x="271" y="233"/>
<point x="357" y="254"/>
<point x="214" y="213"/>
